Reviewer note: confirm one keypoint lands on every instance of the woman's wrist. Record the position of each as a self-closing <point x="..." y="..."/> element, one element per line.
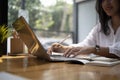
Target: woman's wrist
<point x="95" y="49"/>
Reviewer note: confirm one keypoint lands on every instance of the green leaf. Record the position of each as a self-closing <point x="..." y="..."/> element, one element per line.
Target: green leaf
<point x="4" y="33"/>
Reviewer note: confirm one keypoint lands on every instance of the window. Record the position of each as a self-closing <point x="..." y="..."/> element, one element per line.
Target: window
<point x="86" y="18"/>
<point x="51" y="23"/>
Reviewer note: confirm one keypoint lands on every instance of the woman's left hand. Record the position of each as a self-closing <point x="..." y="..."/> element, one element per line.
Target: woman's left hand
<point x="79" y="51"/>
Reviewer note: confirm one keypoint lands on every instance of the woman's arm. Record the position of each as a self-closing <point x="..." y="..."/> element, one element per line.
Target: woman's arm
<point x="104" y="51"/>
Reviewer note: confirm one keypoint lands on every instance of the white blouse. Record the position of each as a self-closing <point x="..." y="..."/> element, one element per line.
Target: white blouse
<point x="97" y="37"/>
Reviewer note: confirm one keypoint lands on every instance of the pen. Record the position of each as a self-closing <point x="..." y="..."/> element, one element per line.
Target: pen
<point x="64" y="39"/>
<point x="50" y="50"/>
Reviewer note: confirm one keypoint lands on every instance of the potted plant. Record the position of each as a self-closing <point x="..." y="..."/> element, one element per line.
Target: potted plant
<point x="4" y="33"/>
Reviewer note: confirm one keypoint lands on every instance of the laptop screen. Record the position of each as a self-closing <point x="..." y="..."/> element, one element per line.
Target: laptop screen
<point x="29" y="38"/>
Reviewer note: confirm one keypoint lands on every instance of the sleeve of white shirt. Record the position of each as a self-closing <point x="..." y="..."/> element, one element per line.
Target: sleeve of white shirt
<point x="115" y="49"/>
<point x="90" y="40"/>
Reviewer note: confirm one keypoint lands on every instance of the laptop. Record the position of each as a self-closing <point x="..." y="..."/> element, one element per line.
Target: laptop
<point x="33" y="44"/>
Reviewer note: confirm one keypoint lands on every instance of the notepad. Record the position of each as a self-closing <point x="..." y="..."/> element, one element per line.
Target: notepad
<point x="92" y="60"/>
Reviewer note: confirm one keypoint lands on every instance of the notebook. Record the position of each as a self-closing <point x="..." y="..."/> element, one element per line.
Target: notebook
<point x="36" y="48"/>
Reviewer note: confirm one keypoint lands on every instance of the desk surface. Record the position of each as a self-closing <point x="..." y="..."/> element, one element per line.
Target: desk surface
<point x="32" y="68"/>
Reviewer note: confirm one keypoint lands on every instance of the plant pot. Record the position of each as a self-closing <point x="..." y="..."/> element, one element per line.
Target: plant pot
<point x="17" y="46"/>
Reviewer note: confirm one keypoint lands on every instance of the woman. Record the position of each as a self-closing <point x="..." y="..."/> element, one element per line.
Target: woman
<point x="104" y="38"/>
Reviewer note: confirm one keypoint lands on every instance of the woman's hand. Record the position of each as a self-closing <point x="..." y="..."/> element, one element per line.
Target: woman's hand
<point x="56" y="47"/>
<point x="68" y="50"/>
<point x="79" y="51"/>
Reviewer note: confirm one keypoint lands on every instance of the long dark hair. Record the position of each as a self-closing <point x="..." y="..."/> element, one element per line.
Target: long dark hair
<point x="103" y="18"/>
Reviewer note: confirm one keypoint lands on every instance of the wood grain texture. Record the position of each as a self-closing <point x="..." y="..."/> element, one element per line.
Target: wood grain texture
<point x="35" y="69"/>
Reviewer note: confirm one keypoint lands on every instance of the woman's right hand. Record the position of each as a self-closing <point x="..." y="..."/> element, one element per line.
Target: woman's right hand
<point x="56" y="47"/>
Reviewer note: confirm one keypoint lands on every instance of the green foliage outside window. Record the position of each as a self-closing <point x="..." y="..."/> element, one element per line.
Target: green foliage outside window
<point x="57" y="17"/>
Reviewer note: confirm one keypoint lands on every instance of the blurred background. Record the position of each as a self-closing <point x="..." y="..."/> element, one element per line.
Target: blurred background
<point x="52" y="20"/>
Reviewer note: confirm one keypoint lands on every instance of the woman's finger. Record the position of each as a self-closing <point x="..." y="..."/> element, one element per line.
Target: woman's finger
<point x="68" y="52"/>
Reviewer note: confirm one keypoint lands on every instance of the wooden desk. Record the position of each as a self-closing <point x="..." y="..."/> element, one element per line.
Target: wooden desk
<point x="32" y="68"/>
